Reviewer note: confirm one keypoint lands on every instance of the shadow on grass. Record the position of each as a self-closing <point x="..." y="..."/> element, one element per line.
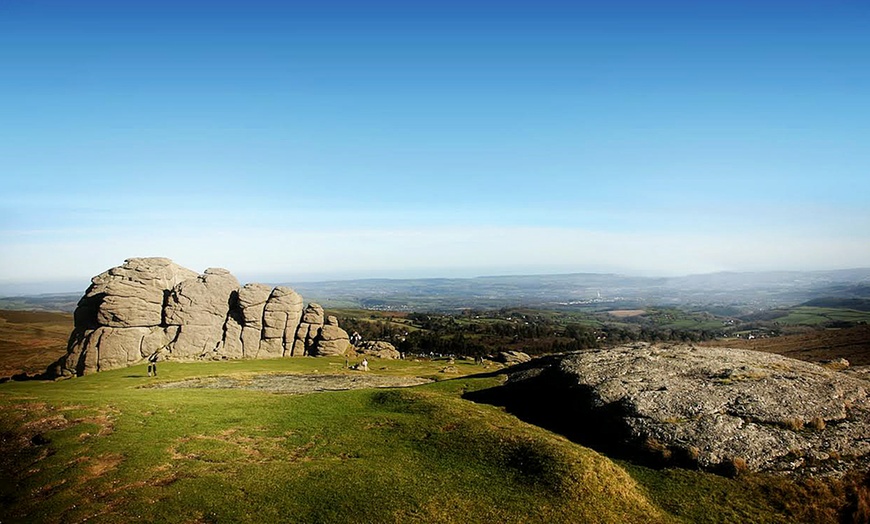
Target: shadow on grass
<point x="22" y="377"/>
<point x="553" y="402"/>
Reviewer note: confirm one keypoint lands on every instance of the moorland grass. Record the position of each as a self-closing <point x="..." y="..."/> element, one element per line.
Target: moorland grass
<point x="105" y="448"/>
<point x="30" y="340"/>
<point x="108" y="448"/>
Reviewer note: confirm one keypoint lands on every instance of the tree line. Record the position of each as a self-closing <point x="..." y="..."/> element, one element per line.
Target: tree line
<point x="479" y="334"/>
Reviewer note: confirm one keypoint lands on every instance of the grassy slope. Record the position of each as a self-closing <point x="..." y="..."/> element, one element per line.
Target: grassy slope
<point x="101" y="447"/>
<point x="813" y="316"/>
<point x="31" y="340"/>
<point x="104" y="448"/>
<point x="852" y="344"/>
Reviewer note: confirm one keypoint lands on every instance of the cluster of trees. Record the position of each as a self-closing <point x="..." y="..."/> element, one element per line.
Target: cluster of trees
<point x="479" y="334"/>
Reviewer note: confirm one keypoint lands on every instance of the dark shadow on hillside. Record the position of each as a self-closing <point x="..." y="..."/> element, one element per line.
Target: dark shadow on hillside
<point x="553" y="403"/>
<point x="22" y="377"/>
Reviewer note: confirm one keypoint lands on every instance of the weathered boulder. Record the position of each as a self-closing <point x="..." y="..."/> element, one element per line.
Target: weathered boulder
<point x="837" y="364"/>
<point x="313" y="314"/>
<point x="251" y="305"/>
<point x="233" y="344"/>
<point x="716" y="408"/>
<point x="200" y="306"/>
<point x="309" y="330"/>
<point x="332" y="341"/>
<point x="152" y="305"/>
<point x="512" y="357"/>
<point x="379" y="349"/>
<point x="133" y="294"/>
<point x="280" y="321"/>
<point x="203" y="300"/>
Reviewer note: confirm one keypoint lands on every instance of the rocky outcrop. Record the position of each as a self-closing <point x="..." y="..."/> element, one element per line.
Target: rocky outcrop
<point x="199" y="307"/>
<point x="512" y="357"/>
<point x="379" y="349"/>
<point x="151" y="306"/>
<point x="717" y="408"/>
<point x="251" y="307"/>
<point x="332" y="340"/>
<point x="281" y="317"/>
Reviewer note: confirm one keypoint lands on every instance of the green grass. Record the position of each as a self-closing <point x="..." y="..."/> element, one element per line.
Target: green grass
<point x="815" y="316"/>
<point x="104" y="448"/>
<point x="109" y="450"/>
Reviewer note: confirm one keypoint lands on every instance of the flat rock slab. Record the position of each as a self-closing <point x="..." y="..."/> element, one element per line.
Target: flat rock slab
<point x="297" y="384"/>
<point x="716" y="408"/>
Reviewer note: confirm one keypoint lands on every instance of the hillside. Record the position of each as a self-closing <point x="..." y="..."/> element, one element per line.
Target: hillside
<point x="590" y="290"/>
<point x="31" y="340"/>
<point x="853" y="344"/>
<point x="743" y="291"/>
<point x="111" y="446"/>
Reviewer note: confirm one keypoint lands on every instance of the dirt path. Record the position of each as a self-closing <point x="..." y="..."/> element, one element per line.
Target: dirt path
<point x="297" y="384"/>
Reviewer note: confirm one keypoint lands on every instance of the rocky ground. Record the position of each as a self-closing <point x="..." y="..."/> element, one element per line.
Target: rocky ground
<point x="721" y="409"/>
<point x="297" y="384"/>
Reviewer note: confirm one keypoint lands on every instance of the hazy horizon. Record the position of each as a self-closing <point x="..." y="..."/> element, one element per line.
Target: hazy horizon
<point x="433" y="139"/>
<point x="72" y="286"/>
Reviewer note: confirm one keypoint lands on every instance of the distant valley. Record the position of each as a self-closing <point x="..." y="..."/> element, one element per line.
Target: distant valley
<point x="592" y="290"/>
<point x="726" y="292"/>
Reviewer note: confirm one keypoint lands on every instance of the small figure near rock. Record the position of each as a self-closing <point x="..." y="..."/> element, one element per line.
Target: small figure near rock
<point x="364" y="365"/>
<point x="152" y="363"/>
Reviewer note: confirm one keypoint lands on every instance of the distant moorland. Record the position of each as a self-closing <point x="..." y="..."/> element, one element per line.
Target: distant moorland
<point x="725" y="293"/>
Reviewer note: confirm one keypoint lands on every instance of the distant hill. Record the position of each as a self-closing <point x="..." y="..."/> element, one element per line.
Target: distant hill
<point x="730" y="290"/>
<point x="758" y="290"/>
<point x="858" y="304"/>
<point x="62" y="302"/>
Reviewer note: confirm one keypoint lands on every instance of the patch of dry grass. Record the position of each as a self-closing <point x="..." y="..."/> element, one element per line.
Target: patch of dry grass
<point x="31" y="340"/>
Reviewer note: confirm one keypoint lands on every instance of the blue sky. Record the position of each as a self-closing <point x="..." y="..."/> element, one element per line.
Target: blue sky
<point x="330" y="139"/>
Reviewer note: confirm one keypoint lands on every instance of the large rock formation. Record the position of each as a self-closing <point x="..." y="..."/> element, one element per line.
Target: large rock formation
<point x="152" y="305"/>
<point x="332" y="339"/>
<point x="379" y="349"/>
<point x="718" y="408"/>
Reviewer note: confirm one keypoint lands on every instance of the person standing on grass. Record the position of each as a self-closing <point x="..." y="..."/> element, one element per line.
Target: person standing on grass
<point x="152" y="363"/>
<point x="364" y="365"/>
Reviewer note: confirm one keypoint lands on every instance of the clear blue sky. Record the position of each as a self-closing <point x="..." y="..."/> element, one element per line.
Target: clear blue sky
<point x="350" y="139"/>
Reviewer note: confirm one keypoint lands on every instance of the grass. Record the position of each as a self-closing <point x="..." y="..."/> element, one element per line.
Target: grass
<point x="108" y="448"/>
<point x="697" y="497"/>
<point x="31" y="340"/>
<point x="103" y="448"/>
<point x="815" y="316"/>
